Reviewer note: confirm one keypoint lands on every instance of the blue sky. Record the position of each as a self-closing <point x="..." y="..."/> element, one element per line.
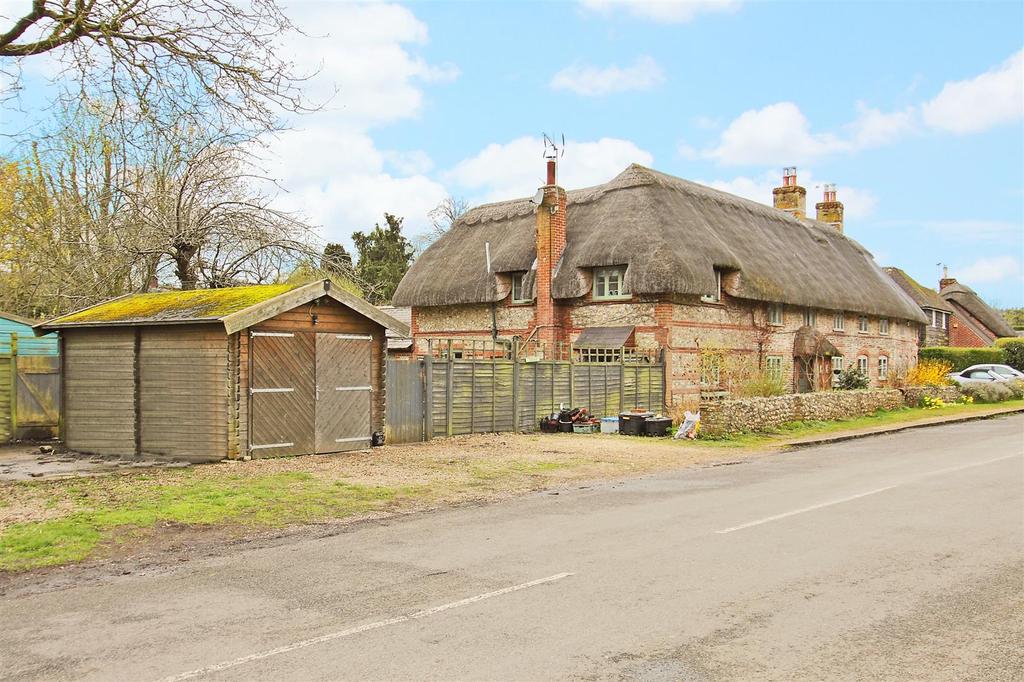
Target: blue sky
<point x="914" y="110"/>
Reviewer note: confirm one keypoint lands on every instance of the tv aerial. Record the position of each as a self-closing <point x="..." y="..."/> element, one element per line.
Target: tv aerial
<point x="553" y="150"/>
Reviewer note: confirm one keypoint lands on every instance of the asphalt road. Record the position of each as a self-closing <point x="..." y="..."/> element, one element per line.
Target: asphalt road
<point x="896" y="557"/>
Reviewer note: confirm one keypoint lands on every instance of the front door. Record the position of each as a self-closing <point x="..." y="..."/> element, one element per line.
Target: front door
<point x="804" y="375"/>
<point x="344" y="393"/>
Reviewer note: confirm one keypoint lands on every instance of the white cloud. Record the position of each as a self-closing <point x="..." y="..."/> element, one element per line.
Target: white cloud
<point x="369" y="75"/>
<point x="777" y="134"/>
<point x="643" y="74"/>
<point x="873" y="128"/>
<point x="857" y="203"/>
<point x="516" y="169"/>
<point x="663" y="11"/>
<point x="987" y="100"/>
<point x="991" y="269"/>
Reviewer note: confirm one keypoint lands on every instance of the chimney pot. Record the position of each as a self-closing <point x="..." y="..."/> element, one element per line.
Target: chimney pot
<point x="552" y="179"/>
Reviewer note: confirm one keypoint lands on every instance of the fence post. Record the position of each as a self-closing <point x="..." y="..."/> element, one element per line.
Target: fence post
<point x="516" y="423"/>
<point x="622" y="382"/>
<point x="449" y="375"/>
<point x="428" y="393"/>
<point x="14" y="384"/>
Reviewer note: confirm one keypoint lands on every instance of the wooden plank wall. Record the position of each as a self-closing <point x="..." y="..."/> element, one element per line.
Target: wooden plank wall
<point x="183" y="392"/>
<point x="99" y="390"/>
<point x="331" y="317"/>
<point x="28" y="342"/>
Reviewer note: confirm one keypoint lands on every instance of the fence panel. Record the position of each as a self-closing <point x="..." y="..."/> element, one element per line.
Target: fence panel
<point x="37" y="396"/>
<point x="405" y="419"/>
<point x="457" y="396"/>
<point x="6" y="383"/>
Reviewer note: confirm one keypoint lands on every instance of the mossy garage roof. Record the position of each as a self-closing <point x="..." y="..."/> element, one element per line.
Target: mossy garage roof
<point x="175" y="306"/>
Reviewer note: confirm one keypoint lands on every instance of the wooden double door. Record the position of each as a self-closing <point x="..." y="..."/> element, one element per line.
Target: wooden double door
<point x="310" y="392"/>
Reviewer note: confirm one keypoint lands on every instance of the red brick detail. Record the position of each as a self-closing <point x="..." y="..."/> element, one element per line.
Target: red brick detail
<point x="550" y="243"/>
<point x="962" y="336"/>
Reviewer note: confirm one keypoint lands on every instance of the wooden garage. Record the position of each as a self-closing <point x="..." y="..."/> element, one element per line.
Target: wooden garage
<point x="256" y="371"/>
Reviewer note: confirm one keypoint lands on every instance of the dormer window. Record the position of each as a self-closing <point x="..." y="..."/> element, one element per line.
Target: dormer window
<point x="717" y="296"/>
<point x="609" y="283"/>
<point x="518" y="295"/>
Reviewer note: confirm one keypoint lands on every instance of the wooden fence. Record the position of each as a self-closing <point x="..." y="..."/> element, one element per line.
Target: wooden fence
<point x="434" y="397"/>
<point x="29" y="391"/>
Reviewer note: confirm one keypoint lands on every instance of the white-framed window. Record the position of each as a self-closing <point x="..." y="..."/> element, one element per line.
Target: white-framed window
<point x="717" y="296"/>
<point x="837" y="363"/>
<point x="883" y="367"/>
<point x="773" y="367"/>
<point x="839" y="321"/>
<point x="775" y="314"/>
<point x="609" y="283"/>
<point x="883" y="325"/>
<point x="518" y="296"/>
<point x="862" y="364"/>
<point x="810" y="317"/>
<point x="862" y="323"/>
<point x="945" y="320"/>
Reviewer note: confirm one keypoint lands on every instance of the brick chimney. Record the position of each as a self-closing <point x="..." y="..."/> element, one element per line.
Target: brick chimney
<point x="791" y="197"/>
<point x="946" y="279"/>
<point x="829" y="210"/>
<point x="550" y="244"/>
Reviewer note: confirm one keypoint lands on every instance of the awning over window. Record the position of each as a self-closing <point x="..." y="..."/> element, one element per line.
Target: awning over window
<point x="604" y="337"/>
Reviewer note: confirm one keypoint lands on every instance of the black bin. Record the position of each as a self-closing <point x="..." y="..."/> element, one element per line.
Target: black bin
<point x="657" y="426"/>
<point x="632" y="423"/>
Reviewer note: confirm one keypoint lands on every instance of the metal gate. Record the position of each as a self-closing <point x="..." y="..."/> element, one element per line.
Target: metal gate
<point x="282" y="393"/>
<point x="344" y="392"/>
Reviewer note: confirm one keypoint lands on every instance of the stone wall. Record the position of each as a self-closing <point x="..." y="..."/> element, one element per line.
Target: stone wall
<point x="762" y="414"/>
<point x="912" y="396"/>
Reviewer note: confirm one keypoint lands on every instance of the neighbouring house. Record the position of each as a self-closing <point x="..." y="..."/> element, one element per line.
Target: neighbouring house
<point x="974" y="323"/>
<point x="399" y="344"/>
<point x="29" y="381"/>
<point x="239" y="372"/>
<point x="660" y="264"/>
<point x="937" y="311"/>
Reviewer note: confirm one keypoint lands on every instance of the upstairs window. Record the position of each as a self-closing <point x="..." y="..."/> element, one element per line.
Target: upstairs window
<point x="717" y="296"/>
<point x="810" y="317"/>
<point x="775" y="315"/>
<point x="609" y="283"/>
<point x="883" y="326"/>
<point x="839" y="322"/>
<point x="862" y="323"/>
<point x="517" y="288"/>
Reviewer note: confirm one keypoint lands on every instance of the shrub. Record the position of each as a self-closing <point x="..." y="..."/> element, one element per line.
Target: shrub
<point x="962" y="358"/>
<point x="760" y="385"/>
<point x="1013" y="351"/>
<point x="1016" y="388"/>
<point x="930" y="373"/>
<point x="995" y="392"/>
<point x="851" y="379"/>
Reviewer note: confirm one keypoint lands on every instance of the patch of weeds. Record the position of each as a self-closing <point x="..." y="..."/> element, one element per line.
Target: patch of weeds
<point x="101" y="512"/>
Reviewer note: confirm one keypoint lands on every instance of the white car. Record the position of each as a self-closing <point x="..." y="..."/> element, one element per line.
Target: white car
<point x="984" y="374"/>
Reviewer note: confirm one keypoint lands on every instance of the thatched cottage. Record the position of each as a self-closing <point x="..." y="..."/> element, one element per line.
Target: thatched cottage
<point x="691" y="272"/>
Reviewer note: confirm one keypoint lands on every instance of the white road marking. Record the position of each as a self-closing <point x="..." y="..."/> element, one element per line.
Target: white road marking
<point x="842" y="500"/>
<point x="360" y="628"/>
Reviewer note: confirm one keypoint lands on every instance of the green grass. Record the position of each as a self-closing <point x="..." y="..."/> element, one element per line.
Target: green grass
<point x="102" y="512"/>
<point x="802" y="429"/>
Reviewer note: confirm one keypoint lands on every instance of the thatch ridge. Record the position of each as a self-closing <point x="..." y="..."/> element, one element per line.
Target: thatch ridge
<point x="922" y="295"/>
<point x="672" y="234"/>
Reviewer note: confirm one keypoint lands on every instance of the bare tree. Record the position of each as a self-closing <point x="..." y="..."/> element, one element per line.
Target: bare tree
<point x="442" y="217"/>
<point x="217" y="60"/>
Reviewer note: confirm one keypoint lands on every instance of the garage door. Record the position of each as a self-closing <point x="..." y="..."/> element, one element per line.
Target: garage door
<point x="282" y="390"/>
<point x="344" y="392"/>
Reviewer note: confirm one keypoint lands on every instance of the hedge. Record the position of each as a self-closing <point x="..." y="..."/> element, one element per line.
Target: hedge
<point x="962" y="358"/>
<point x="1013" y="351"/>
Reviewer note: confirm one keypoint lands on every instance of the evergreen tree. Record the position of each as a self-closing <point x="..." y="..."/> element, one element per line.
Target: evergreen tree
<point x="384" y="257"/>
<point x="336" y="259"/>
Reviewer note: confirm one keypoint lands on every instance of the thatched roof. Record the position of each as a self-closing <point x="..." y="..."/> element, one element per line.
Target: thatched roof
<point x="922" y="295"/>
<point x="672" y="234"/>
<point x="967" y="298"/>
<point x="809" y="342"/>
<point x="235" y="307"/>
